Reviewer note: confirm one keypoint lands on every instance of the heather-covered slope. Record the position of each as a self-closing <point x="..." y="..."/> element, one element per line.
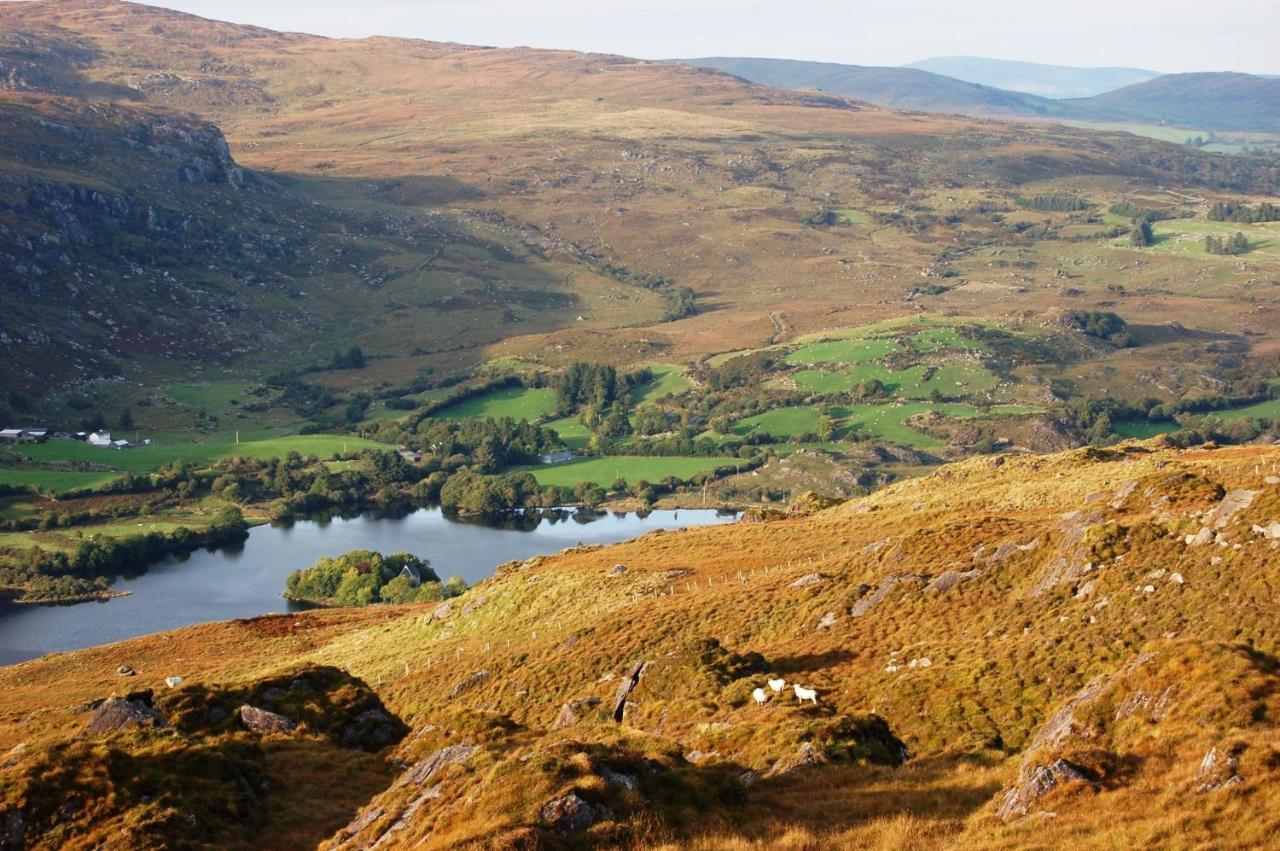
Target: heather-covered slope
<point x="441" y="204"/>
<point x="1088" y="634"/>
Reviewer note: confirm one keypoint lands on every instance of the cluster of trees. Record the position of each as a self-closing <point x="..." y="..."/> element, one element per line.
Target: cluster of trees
<point x="1102" y="324"/>
<point x="352" y="358"/>
<point x="1054" y="203"/>
<point x="364" y="577"/>
<point x="1236" y="211"/>
<point x="1141" y="235"/>
<point x="742" y="371"/>
<point x="471" y="492"/>
<point x="681" y="301"/>
<point x="593" y="385"/>
<point x="55" y="574"/>
<point x="1237" y="244"/>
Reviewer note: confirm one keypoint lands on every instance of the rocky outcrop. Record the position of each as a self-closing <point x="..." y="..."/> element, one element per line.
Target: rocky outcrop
<point x="567" y="814"/>
<point x="1037" y="781"/>
<point x="264" y="722"/>
<point x="628" y="684"/>
<point x="1070" y="560"/>
<point x="571" y="713"/>
<point x="117" y="714"/>
<point x="1217" y="769"/>
<point x="468" y="684"/>
<point x="876" y="597"/>
<point x="373" y="829"/>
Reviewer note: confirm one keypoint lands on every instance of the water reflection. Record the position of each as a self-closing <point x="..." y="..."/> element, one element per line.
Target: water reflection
<point x="245" y="579"/>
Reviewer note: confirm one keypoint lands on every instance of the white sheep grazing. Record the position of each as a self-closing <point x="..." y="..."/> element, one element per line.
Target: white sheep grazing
<point x="809" y="694"/>
<point x="760" y="697"/>
<point x="777" y="685"/>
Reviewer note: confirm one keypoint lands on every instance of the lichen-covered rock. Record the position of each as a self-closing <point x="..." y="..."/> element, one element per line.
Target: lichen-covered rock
<point x="468" y="684"/>
<point x="263" y="722"/>
<point x="567" y="814"/>
<point x="1035" y="782"/>
<point x="122" y="714"/>
<point x="1217" y="769"/>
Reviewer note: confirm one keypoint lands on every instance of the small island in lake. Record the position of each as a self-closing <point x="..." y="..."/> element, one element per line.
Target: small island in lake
<point x="364" y="577"/>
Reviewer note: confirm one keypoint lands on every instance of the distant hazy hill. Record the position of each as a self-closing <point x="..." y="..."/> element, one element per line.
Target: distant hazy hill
<point x="1219" y="101"/>
<point x="899" y="88"/>
<point x="1204" y="101"/>
<point x="1050" y="81"/>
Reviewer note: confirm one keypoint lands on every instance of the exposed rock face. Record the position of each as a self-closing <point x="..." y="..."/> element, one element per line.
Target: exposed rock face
<point x="875" y="598"/>
<point x="420" y="775"/>
<point x="571" y="713"/>
<point x="1036" y="782"/>
<point x="1218" y="769"/>
<point x="567" y="814"/>
<point x="426" y="769"/>
<point x="949" y="580"/>
<point x="468" y="684"/>
<point x="1068" y="563"/>
<point x="629" y="682"/>
<point x="122" y="714"/>
<point x="617" y="570"/>
<point x="806" y="756"/>
<point x="809" y="579"/>
<point x="262" y="722"/>
<point x="1232" y="504"/>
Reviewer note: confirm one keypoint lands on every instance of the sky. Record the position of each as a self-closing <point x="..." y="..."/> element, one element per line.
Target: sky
<point x="1162" y="35"/>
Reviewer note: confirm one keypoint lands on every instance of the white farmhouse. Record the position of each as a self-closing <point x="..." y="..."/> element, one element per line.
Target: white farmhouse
<point x="99" y="438"/>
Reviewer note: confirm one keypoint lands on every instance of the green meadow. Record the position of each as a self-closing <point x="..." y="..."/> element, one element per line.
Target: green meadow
<point x="603" y="471"/>
<point x="516" y="402"/>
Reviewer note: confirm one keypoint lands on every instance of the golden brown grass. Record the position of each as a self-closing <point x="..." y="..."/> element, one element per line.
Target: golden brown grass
<point x="1002" y="659"/>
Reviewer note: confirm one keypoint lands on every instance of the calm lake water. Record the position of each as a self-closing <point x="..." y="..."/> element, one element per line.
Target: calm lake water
<point x="247" y="580"/>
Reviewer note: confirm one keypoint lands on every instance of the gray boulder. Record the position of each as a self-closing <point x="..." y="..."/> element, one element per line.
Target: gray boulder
<point x="571" y="713"/>
<point x="567" y="814"/>
<point x="123" y="714"/>
<point x="262" y="722"/>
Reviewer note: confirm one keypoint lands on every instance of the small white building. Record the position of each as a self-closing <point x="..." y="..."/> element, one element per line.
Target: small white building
<point x="410" y="573"/>
<point x="99" y="438"/>
<point x="11" y="434"/>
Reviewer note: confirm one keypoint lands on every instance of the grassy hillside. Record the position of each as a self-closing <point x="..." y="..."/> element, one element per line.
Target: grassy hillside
<point x="1006" y="620"/>
<point x="1218" y="101"/>
<point x="444" y="206"/>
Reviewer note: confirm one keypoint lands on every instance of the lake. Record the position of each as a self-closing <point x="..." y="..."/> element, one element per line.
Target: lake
<point x="247" y="579"/>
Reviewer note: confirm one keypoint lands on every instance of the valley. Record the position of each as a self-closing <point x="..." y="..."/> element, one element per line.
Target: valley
<point x="569" y="450"/>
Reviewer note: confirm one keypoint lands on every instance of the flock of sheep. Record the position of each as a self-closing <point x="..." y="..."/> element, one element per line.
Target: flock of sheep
<point x="761" y="697"/>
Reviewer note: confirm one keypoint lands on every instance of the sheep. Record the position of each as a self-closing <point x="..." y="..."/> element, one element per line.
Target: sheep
<point x="759" y="697"/>
<point x="809" y="694"/>
<point x="777" y="685"/>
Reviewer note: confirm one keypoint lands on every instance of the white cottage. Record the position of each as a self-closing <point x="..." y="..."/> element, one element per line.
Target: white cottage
<point x="99" y="438"/>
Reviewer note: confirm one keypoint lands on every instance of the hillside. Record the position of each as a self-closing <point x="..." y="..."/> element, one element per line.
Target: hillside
<point x="1034" y="78"/>
<point x="480" y="203"/>
<point x="1075" y="648"/>
<point x="896" y="88"/>
<point x="1220" y="101"/>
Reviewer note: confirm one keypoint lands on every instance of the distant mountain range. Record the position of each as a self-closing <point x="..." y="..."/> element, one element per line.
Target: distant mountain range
<point x="1224" y="101"/>
<point x="1050" y="81"/>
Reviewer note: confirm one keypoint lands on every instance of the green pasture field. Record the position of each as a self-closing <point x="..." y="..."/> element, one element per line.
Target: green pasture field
<point x="603" y="471"/>
<point x="516" y="402"/>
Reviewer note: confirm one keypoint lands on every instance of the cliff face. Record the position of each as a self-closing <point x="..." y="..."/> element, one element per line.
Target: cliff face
<point x="1089" y="635"/>
<point x="121" y="211"/>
